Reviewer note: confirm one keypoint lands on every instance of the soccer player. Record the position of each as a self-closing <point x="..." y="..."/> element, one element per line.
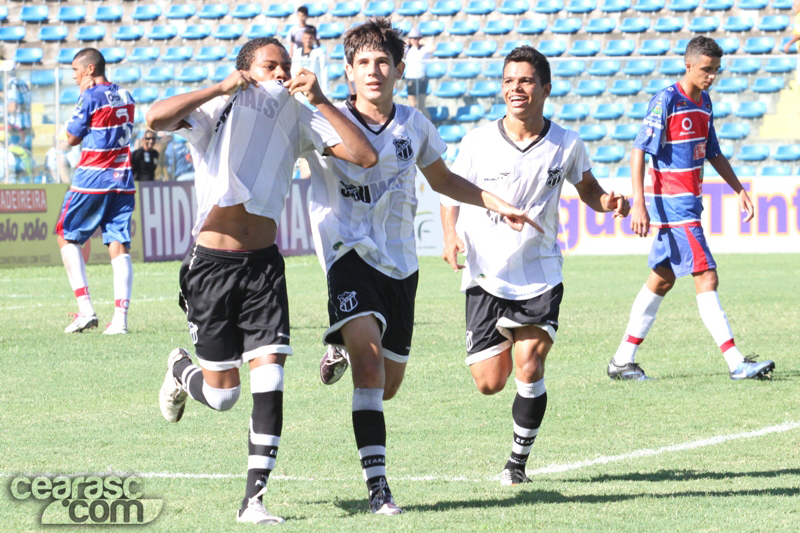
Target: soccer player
<point x="245" y="141"/>
<point x="513" y="280"/>
<point x="102" y="190"/>
<point x="678" y="134"/>
<point x="363" y="226"/>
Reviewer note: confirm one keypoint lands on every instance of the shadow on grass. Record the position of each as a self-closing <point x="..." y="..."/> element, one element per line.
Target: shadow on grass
<point x="684" y="475"/>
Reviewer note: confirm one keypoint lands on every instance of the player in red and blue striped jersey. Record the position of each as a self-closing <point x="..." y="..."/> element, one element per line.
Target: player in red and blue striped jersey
<point x="678" y="134"/>
<point x="102" y="190"/>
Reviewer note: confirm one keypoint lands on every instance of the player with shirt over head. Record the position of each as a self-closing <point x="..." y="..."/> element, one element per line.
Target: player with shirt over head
<point x="363" y="226"/>
<point x="513" y="280"/>
<point x="678" y="133"/>
<point x="102" y="190"/>
<point x="246" y="134"/>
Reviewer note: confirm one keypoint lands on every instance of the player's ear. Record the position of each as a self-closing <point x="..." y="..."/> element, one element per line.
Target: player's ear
<point x="348" y="70"/>
<point x="401" y="67"/>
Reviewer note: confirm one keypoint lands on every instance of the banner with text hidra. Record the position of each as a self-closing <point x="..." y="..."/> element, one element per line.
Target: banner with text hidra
<point x="28" y="218"/>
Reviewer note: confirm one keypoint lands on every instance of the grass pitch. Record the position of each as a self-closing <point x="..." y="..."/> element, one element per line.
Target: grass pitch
<point x="611" y="456"/>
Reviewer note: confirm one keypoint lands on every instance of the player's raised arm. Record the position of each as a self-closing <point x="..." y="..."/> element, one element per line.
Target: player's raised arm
<point x="169" y="114"/>
<point x="725" y="171"/>
<point x="593" y="195"/>
<point x="452" y="242"/>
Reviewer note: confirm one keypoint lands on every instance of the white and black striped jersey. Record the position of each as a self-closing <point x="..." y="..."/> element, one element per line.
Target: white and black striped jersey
<point x="372" y="210"/>
<point x="506" y="263"/>
<point x="245" y="147"/>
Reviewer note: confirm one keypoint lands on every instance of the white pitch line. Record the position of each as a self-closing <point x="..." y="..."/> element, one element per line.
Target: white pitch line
<point x="95" y="302"/>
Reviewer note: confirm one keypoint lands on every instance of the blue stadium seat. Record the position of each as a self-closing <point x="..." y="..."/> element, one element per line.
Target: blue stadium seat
<point x="493" y="69"/>
<point x="572" y="112"/>
<point x="281" y="11"/>
<point x="178" y="53"/>
<point x="498" y="111"/>
<point x="181" y="11"/>
<point x="604" y="67"/>
<point x="452" y="133"/>
<point x="450" y="154"/>
<point x="568" y="69"/>
<point x="753" y="5"/>
<point x="381" y="8"/>
<point x="738" y="24"/>
<point x="439" y="113"/>
<point x="316" y="9"/>
<point x="782" y="4"/>
<point x="501" y="26"/>
<point x="448" y="49"/>
<point x="622" y="172"/>
<point x="612" y="111"/>
<point x="608" y="153"/>
<point x="44" y="78"/>
<point x="445" y="8"/>
<point x="479" y="7"/>
<point x="330" y="30"/>
<point x="163" y="32"/>
<point x="722" y="109"/>
<point x="615" y="6"/>
<point x="775" y="170"/>
<point x="600" y="171"/>
<point x="773" y="23"/>
<point x="549" y="110"/>
<point x="584" y="48"/>
<point x="547" y="7"/>
<point x="648" y="6"/>
<point x="113" y="54"/>
<point x="481" y="49"/>
<point x="228" y="32"/>
<point x="143" y="53"/>
<point x="436" y="69"/>
<point x="192" y="74"/>
<point x="469" y="113"/>
<point x="169" y="92"/>
<point x="3" y="13"/>
<point x="464" y="27"/>
<point x="247" y="11"/>
<point x="66" y="55"/>
<point x="679" y="47"/>
<point x="485" y="89"/>
<point x="211" y="53"/>
<point x="626" y="87"/>
<point x="413" y="8"/>
<point x="733" y="130"/>
<point x="13" y="34"/>
<point x="508" y="46"/>
<point x="262" y="30"/>
<point x="625" y="132"/>
<point x="90" y="33"/>
<point x="69" y="95"/>
<point x="745" y="171"/>
<point x="655" y="85"/>
<point x="668" y="25"/>
<point x="785" y="41"/>
<point x="159" y="75"/>
<point x="338" y="52"/>
<point x="465" y="70"/>
<point x="787" y="152"/>
<point x="513" y="7"/>
<point x="672" y="67"/>
<point x="340" y="92"/>
<point x="221" y="72"/>
<point x="146" y="12"/>
<point x="600" y="25"/>
<point x="566" y="25"/>
<point x="548" y="48"/>
<point x="451" y="89"/>
<point x="750" y="109"/>
<point x="108" y="14"/>
<point x="194" y="32"/>
<point x="768" y="85"/>
<point x="745" y="65"/>
<point x="33" y="14"/>
<point x="581" y="7"/>
<point x="655" y="47"/>
<point x="72" y="13"/>
<point x="683" y="6"/>
<point x="634" y="25"/>
<point x="126" y="75"/>
<point x="592" y="132"/>
<point x="718" y="5"/>
<point x="639" y="67"/>
<point x="704" y="24"/>
<point x="620" y="47"/>
<point x="759" y="45"/>
<point x="780" y="65"/>
<point x="560" y="88"/>
<point x="730" y="85"/>
<point x="528" y="26"/>
<point x="727" y="151"/>
<point x="213" y="11"/>
<point x="729" y="45"/>
<point x="430" y="28"/>
<point x="589" y="88"/>
<point x="638" y="110"/>
<point x="47" y="34"/>
<point x="335" y="71"/>
<point x="145" y="95"/>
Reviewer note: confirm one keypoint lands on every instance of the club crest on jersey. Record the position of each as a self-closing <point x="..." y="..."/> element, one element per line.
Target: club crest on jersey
<point x="554" y="176"/>
<point x="193" y="332"/>
<point x="347" y="301"/>
<point x="403" y="148"/>
<point x="469" y="340"/>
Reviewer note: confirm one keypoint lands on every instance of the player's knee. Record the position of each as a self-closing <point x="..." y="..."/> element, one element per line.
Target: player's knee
<point x="221" y="399"/>
<point x="490" y="386"/>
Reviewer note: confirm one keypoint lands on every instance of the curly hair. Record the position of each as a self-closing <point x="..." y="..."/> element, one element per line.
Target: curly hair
<point x="248" y="52"/>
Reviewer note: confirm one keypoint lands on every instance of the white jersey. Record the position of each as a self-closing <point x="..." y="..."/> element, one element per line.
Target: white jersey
<point x="371" y="210"/>
<point x="245" y="147"/>
<point x="506" y="263"/>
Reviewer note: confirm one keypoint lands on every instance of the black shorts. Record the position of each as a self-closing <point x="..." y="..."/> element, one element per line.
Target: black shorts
<point x="490" y="320"/>
<point x="417" y="86"/>
<point x="236" y="304"/>
<point x="356" y="289"/>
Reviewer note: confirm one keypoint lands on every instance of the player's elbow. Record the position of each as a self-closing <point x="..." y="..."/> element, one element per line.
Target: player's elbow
<point x="73" y="140"/>
<point x="154" y="122"/>
<point x="368" y="159"/>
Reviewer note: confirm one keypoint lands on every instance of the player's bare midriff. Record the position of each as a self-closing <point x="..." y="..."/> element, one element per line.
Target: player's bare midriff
<point x="233" y="228"/>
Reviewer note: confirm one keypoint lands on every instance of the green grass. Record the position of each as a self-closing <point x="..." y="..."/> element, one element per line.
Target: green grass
<point x="88" y="403"/>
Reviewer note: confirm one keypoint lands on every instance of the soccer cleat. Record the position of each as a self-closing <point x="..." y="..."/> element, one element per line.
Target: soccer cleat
<point x="752" y="369"/>
<point x="115" y="329"/>
<point x="256" y="513"/>
<point x="381" y="500"/>
<point x="627" y="371"/>
<point x="332" y="365"/>
<point x="172" y="397"/>
<point x="81" y="322"/>
<point x="510" y="477"/>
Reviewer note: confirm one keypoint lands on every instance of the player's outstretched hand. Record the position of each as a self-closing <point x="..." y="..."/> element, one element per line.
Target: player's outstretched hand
<point x="452" y="247"/>
<point x="640" y="220"/>
<point x="306" y="82"/>
<point x="617" y="203"/>
<point x="517" y="218"/>
<point x="746" y="205"/>
<point x="238" y="79"/>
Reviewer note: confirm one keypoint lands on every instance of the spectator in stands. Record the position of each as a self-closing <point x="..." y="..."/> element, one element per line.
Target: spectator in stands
<point x="416" y="79"/>
<point x="311" y="56"/>
<point x="17" y="98"/>
<point x="178" y="163"/>
<point x="144" y="159"/>
<point x="796" y="32"/>
<point x="59" y="162"/>
<point x="296" y="31"/>
<point x="19" y="163"/>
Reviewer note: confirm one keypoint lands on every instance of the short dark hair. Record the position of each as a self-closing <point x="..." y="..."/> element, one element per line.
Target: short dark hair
<point x="248" y="52"/>
<point x="92" y="56"/>
<point x="528" y="54"/>
<point x="703" y="46"/>
<point x="375" y="34"/>
<point x="311" y="30"/>
<point x="303" y="10"/>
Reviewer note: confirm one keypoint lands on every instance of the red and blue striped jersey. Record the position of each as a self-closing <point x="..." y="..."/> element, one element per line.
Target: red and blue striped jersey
<point x="679" y="135"/>
<point x="103" y="119"/>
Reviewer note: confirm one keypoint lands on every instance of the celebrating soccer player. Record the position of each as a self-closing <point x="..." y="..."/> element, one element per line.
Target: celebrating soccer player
<point x="513" y="280"/>
<point x="246" y="134"/>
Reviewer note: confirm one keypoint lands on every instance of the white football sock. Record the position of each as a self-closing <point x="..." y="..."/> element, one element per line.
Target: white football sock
<point x="123" y="284"/>
<point x="717" y="323"/>
<point x="643" y="314"/>
<point x="76" y="273"/>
